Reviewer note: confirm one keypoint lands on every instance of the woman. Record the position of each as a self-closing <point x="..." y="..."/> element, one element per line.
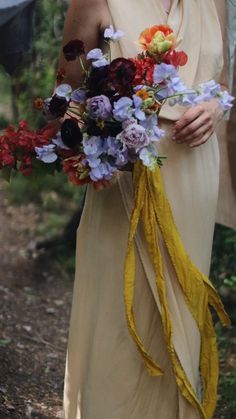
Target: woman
<point x="105" y="374"/>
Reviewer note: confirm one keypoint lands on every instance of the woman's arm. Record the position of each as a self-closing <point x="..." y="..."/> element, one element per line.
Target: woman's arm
<point x="85" y="20"/>
<point x="197" y="125"/>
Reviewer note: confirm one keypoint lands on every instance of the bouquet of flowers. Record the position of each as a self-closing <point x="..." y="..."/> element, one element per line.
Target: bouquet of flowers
<point x="111" y="120"/>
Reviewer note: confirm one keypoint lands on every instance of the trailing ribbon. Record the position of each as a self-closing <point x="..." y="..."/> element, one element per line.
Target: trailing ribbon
<point x="151" y="206"/>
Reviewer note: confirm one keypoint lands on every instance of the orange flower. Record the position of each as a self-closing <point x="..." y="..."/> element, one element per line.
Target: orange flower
<point x="143" y="94"/>
<point x="158" y="39"/>
<point x="38" y="103"/>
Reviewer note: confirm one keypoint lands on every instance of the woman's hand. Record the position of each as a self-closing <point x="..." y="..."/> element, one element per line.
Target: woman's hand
<point x="197" y="124"/>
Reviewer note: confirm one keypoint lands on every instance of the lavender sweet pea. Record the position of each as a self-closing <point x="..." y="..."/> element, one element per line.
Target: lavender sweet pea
<point x="111" y="34"/>
<point x="79" y="95"/>
<point x="163" y="72"/>
<point x="99" y="107"/>
<point x="123" y="109"/>
<point x="46" y="153"/>
<point x="148" y="155"/>
<point x="97" y="57"/>
<point x="134" y="136"/>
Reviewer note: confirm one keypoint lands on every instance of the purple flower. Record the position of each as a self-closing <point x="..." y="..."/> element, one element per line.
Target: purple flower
<point x="151" y="126"/>
<point x="225" y="100"/>
<point x="123" y="109"/>
<point x="99" y="107"/>
<point x="93" y="146"/>
<point x="210" y="89"/>
<point x="97" y="57"/>
<point x="78" y="96"/>
<point x="163" y="71"/>
<point x="134" y="136"/>
<point x="139" y="114"/>
<point x="148" y="155"/>
<point x="100" y="63"/>
<point x="117" y="150"/>
<point x="46" y="153"/>
<point x="95" y="54"/>
<point x="189" y="98"/>
<point x="113" y="35"/>
<point x="104" y="170"/>
<point x="173" y="86"/>
<point x="64" y="90"/>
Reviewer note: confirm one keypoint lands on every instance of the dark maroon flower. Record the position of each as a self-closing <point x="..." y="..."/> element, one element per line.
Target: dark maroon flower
<point x="93" y="128"/>
<point x="73" y="49"/>
<point x="97" y="82"/>
<point x="122" y="72"/>
<point x="70" y="133"/>
<point x="58" y="106"/>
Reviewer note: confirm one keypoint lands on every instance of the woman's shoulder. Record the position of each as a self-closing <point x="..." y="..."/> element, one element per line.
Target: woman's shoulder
<point x="91" y="3"/>
<point x="99" y="9"/>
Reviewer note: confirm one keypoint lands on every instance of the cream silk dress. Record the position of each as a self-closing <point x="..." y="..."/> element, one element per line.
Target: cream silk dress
<point x="105" y="374"/>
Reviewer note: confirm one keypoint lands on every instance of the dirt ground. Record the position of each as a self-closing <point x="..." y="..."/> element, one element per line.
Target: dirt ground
<point x="35" y="300"/>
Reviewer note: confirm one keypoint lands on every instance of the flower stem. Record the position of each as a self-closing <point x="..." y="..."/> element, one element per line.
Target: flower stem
<point x="82" y="65"/>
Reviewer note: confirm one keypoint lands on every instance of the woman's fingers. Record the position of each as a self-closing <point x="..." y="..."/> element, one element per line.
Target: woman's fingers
<point x="188" y="117"/>
<point x="197" y="124"/>
<point x="202" y="140"/>
<point x="194" y="130"/>
<point x="191" y="131"/>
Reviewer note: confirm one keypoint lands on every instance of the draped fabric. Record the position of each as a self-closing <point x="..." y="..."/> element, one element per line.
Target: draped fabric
<point x="105" y="374"/>
<point x="226" y="212"/>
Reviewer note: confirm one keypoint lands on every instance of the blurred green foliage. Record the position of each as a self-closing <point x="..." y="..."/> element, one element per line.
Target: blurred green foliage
<point x="223" y="264"/>
<point x="38" y="74"/>
<point x="35" y="76"/>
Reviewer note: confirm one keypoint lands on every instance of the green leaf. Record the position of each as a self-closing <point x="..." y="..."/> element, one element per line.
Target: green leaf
<point x="4" y="342"/>
<point x="6" y="173"/>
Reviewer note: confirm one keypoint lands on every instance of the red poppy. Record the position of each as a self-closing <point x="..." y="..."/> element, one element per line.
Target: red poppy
<point x="144" y="71"/>
<point x="176" y="58"/>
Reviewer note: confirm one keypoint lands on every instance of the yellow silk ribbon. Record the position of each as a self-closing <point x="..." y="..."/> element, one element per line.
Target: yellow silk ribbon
<point x="151" y="206"/>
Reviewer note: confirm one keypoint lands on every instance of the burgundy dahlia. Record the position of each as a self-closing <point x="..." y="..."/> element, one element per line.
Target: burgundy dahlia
<point x="122" y="72"/>
<point x="73" y="49"/>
